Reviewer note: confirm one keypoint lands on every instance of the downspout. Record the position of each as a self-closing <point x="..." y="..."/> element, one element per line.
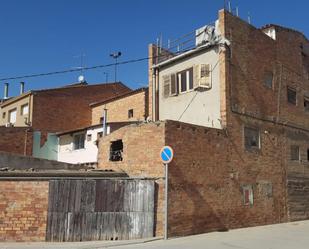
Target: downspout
<point x="153" y="95"/>
<point x="25" y="145"/>
<point x="29" y="110"/>
<point x="156" y="96"/>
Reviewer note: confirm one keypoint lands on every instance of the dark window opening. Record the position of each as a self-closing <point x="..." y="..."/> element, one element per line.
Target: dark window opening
<point x="100" y="134"/>
<point x="3" y="115"/>
<point x="101" y="120"/>
<point x="291" y="96"/>
<point x="79" y="142"/>
<point x="252" y="138"/>
<point x="306" y="104"/>
<point x="116" y="150"/>
<point x="295" y="156"/>
<point x="268" y="81"/>
<point x="89" y="136"/>
<point x="130" y="113"/>
<point x="307" y="154"/>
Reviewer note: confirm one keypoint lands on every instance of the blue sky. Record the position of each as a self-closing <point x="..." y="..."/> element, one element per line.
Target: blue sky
<point x="40" y="36"/>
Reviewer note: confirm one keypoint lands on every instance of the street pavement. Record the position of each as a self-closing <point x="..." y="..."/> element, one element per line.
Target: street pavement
<point x="293" y="235"/>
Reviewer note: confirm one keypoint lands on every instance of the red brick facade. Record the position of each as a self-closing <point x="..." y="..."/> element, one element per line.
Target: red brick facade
<point x="16" y="140"/>
<point x="23" y="210"/>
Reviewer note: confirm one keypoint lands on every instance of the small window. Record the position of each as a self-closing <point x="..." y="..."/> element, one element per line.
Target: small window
<point x="247" y="193"/>
<point x="3" y="115"/>
<point x="307" y="154"/>
<point x="306" y="104"/>
<point x="79" y="142"/>
<point x="130" y="113"/>
<point x="89" y="137"/>
<point x="268" y="81"/>
<point x="252" y="138"/>
<point x="24" y="110"/>
<point x="99" y="134"/>
<point x="116" y="150"/>
<point x="12" y="116"/>
<point x="291" y="95"/>
<point x="295" y="156"/>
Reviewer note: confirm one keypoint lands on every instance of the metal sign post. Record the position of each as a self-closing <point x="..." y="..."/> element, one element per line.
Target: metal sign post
<point x="166" y="157"/>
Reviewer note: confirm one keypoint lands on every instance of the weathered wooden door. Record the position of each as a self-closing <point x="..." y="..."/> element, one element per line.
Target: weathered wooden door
<point x="81" y="210"/>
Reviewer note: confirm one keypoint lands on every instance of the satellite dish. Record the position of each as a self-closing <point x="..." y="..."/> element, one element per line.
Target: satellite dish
<point x="81" y="79"/>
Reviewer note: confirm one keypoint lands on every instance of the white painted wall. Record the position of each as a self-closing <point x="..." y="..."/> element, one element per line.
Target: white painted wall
<point x="195" y="107"/>
<point x="89" y="154"/>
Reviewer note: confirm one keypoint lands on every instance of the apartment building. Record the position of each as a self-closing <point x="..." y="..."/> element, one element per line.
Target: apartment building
<point x="234" y="109"/>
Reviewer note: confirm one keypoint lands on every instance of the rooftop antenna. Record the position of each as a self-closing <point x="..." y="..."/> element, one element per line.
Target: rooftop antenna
<point x="81" y="77"/>
<point x="237" y="13"/>
<point x="249" y="18"/>
<point x="115" y="56"/>
<point x="230" y="6"/>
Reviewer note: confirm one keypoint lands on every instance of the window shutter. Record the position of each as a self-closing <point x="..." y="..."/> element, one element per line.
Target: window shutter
<point x="166" y="85"/>
<point x="205" y="73"/>
<point x="196" y="76"/>
<point x="174" y="85"/>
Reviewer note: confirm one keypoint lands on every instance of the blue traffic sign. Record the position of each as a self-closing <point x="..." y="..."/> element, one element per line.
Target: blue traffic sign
<point x="166" y="154"/>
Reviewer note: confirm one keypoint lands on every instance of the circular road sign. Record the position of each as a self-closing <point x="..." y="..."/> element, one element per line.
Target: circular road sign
<point x="166" y="154"/>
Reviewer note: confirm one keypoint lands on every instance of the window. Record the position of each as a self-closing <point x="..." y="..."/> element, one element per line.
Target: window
<point x="185" y="80"/>
<point x="306" y="104"/>
<point x="247" y="193"/>
<point x="130" y="113"/>
<point x="295" y="156"/>
<point x="24" y="109"/>
<point x="3" y="115"/>
<point x="268" y="80"/>
<point x="307" y="154"/>
<point x="89" y="137"/>
<point x="116" y="150"/>
<point x="252" y="138"/>
<point x="100" y="134"/>
<point x="291" y="95"/>
<point x="79" y="142"/>
<point x="12" y="116"/>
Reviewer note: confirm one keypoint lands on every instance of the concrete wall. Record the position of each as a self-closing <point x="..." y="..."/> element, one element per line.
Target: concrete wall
<point x="194" y="107"/>
<point x="23" y="210"/>
<point x="117" y="110"/>
<point x="20" y="119"/>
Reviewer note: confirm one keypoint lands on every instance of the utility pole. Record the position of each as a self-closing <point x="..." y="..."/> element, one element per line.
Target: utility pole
<point x="115" y="56"/>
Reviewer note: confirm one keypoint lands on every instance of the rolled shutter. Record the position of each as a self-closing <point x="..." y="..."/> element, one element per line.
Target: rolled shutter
<point x="174" y="85"/>
<point x="166" y="85"/>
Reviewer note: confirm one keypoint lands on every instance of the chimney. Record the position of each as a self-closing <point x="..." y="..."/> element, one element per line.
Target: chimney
<point x="22" y="87"/>
<point x="6" y="91"/>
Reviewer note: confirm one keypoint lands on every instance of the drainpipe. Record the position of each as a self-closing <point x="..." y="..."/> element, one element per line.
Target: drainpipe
<point x="104" y="122"/>
<point x="154" y="96"/>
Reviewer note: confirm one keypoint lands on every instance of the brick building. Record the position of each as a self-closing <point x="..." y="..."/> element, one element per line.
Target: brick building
<point x="234" y="109"/>
<point x="57" y="109"/>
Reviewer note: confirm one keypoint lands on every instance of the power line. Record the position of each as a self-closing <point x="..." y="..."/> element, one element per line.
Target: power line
<point x="90" y="68"/>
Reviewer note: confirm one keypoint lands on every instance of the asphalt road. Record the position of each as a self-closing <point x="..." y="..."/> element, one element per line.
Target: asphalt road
<point x="283" y="236"/>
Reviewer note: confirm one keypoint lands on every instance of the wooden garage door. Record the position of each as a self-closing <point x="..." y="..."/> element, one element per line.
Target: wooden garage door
<point x="81" y="210"/>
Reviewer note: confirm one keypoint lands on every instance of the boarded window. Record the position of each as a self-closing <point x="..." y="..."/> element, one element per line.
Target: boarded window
<point x="306" y="104"/>
<point x="268" y="80"/>
<point x="252" y="138"/>
<point x="247" y="192"/>
<point x="291" y="94"/>
<point x="79" y="142"/>
<point x="295" y="156"/>
<point x="116" y="150"/>
<point x="130" y="113"/>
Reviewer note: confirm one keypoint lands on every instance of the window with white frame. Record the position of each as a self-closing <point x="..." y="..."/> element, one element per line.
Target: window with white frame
<point x="24" y="110"/>
<point x="79" y="141"/>
<point x="12" y="116"/>
<point x="185" y="80"/>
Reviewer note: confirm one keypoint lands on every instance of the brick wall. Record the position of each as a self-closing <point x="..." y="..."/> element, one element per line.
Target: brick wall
<point x="117" y="110"/>
<point x="23" y="210"/>
<point x="68" y="108"/>
<point x="16" y="140"/>
<point x="141" y="149"/>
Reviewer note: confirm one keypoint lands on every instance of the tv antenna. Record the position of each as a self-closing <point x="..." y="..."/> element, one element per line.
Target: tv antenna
<point x="115" y="56"/>
<point x="81" y="77"/>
